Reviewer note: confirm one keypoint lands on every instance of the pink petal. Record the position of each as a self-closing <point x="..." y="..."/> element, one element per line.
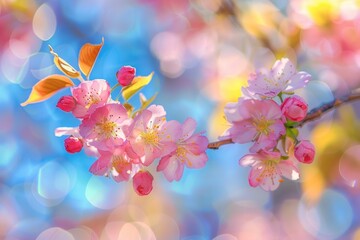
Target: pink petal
<point x="288" y="170"/>
<point x="271" y="183"/>
<point x="196" y="161"/>
<point x="188" y="128"/>
<point x="248" y="160"/>
<point x="299" y="80"/>
<point x="100" y="166"/>
<point x="61" y="131"/>
<point x="283" y="70"/>
<point x="171" y="168"/>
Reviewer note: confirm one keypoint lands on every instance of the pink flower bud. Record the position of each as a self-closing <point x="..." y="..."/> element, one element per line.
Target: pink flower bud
<point x="66" y="103"/>
<point x="142" y="183"/>
<point x="73" y="144"/>
<point x="125" y="75"/>
<point x="294" y="108"/>
<point x="305" y="151"/>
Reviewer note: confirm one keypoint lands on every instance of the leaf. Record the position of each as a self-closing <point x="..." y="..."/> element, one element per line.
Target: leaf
<point x="47" y="87"/>
<point x="136" y="85"/>
<point x="146" y="102"/>
<point x="129" y="108"/>
<point x="87" y="57"/>
<point x="64" y="66"/>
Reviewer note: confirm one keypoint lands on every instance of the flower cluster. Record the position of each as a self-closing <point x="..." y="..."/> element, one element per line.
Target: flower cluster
<point x="125" y="141"/>
<point x="269" y="120"/>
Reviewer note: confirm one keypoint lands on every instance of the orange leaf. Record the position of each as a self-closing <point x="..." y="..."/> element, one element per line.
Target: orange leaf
<point x="47" y="87"/>
<point x="87" y="57"/>
<point x="64" y="66"/>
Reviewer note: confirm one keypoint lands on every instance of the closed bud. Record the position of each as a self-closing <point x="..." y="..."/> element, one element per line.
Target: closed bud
<point x="294" y="108"/>
<point x="142" y="183"/>
<point x="66" y="103"/>
<point x="125" y="75"/>
<point x="305" y="152"/>
<point x="73" y="144"/>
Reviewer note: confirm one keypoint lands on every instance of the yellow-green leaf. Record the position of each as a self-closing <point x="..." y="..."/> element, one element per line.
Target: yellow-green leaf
<point x="146" y="102"/>
<point x="47" y="87"/>
<point x="87" y="56"/>
<point x="136" y="85"/>
<point x="64" y="66"/>
<point x="129" y="108"/>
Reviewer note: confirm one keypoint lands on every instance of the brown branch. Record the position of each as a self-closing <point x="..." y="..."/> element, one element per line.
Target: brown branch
<point x="311" y="116"/>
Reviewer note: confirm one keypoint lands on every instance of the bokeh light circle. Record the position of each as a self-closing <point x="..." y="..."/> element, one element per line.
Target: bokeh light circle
<point x="44" y="22"/>
<point x="329" y="218"/>
<point x="349" y="165"/>
<point x="55" y="233"/>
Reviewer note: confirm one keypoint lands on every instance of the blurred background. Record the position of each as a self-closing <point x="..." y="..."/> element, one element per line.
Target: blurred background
<point x="201" y="52"/>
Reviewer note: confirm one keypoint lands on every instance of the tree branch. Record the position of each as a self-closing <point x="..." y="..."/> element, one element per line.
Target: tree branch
<point x="311" y="116"/>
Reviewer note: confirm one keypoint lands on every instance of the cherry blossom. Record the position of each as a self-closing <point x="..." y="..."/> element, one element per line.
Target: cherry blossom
<point x="90" y="94"/>
<point x="104" y="127"/>
<point x="190" y="151"/>
<point x="125" y="75"/>
<point x="282" y="77"/>
<point x="115" y="163"/>
<point x="151" y="136"/>
<point x="258" y="121"/>
<point x="305" y="152"/>
<point x="66" y="103"/>
<point x="142" y="182"/>
<point x="267" y="169"/>
<point x="73" y="144"/>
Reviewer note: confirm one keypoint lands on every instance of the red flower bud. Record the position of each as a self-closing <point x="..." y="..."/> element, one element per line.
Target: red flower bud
<point x="305" y="151"/>
<point x="125" y="75"/>
<point x="294" y="108"/>
<point x="73" y="144"/>
<point x="142" y="183"/>
<point x="66" y="103"/>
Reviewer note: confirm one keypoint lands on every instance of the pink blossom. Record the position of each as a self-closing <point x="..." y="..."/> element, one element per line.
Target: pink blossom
<point x="73" y="144"/>
<point x="66" y="103"/>
<point x="282" y="77"/>
<point x="190" y="151"/>
<point x="258" y="121"/>
<point x="142" y="182"/>
<point x="115" y="163"/>
<point x="151" y="136"/>
<point x="294" y="108"/>
<point x="305" y="151"/>
<point x="125" y="75"/>
<point x="88" y="94"/>
<point x="268" y="169"/>
<point x="104" y="127"/>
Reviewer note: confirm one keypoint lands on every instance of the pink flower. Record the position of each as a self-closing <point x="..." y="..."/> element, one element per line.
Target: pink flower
<point x="294" y="108"/>
<point x="73" y="144"/>
<point x="115" y="163"/>
<point x="268" y="169"/>
<point x="66" y="103"/>
<point x="305" y="151"/>
<point x="258" y="121"/>
<point x="88" y="94"/>
<point x="125" y="75"/>
<point x="282" y="77"/>
<point x="142" y="182"/>
<point x="104" y="127"/>
<point x="151" y="136"/>
<point x="190" y="151"/>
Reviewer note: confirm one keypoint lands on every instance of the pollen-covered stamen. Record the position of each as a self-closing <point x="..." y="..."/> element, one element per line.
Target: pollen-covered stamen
<point x="119" y="163"/>
<point x="269" y="170"/>
<point x="181" y="154"/>
<point x="106" y="129"/>
<point x="150" y="137"/>
<point x="262" y="125"/>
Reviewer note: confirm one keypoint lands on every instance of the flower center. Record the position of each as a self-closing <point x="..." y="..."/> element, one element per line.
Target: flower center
<point x="119" y="164"/>
<point x="269" y="170"/>
<point x="106" y="128"/>
<point x="150" y="138"/>
<point x="263" y="125"/>
<point x="92" y="99"/>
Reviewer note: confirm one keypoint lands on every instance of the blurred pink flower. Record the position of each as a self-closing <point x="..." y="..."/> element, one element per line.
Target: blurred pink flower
<point x="88" y="94"/>
<point x="190" y="151"/>
<point x="294" y="108"/>
<point x="282" y="77"/>
<point x="268" y="169"/>
<point x="73" y="144"/>
<point x="305" y="152"/>
<point x="151" y="136"/>
<point x="259" y="121"/>
<point x="142" y="182"/>
<point x="104" y="127"/>
<point x="115" y="163"/>
<point x="125" y="75"/>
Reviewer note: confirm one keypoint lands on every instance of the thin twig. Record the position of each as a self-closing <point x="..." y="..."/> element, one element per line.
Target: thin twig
<point x="311" y="116"/>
